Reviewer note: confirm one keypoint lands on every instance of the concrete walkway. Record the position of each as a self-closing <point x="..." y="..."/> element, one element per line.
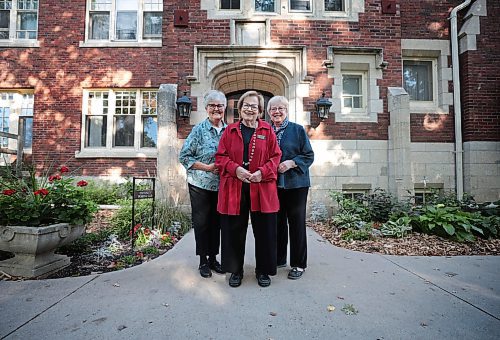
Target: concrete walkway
<point x="396" y="298"/>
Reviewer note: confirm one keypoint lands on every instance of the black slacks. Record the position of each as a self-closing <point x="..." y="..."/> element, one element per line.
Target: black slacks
<point x="234" y="232"/>
<point x="292" y="219"/>
<point x="206" y="220"/>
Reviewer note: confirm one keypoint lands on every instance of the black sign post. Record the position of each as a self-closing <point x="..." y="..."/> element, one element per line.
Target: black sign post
<point x="142" y="194"/>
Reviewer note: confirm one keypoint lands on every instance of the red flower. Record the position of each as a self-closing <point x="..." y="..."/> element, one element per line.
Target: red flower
<point x="9" y="192"/>
<point x="82" y="183"/>
<point x="136" y="227"/>
<point x="64" y="169"/>
<point x="44" y="192"/>
<point x="53" y="178"/>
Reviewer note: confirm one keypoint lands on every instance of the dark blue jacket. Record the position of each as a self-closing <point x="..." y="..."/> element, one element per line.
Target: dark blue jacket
<point x="295" y="145"/>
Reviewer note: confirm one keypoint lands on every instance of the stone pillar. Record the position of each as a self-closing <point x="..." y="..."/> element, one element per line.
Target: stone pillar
<point x="399" y="143"/>
<point x="171" y="174"/>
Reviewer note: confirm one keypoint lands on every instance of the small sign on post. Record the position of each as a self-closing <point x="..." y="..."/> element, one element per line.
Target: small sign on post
<point x="142" y="194"/>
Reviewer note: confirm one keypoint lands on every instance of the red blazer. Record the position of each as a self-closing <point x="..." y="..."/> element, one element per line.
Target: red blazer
<point x="266" y="158"/>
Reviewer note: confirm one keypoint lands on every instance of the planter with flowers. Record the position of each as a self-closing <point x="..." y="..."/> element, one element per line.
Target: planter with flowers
<point x="39" y="215"/>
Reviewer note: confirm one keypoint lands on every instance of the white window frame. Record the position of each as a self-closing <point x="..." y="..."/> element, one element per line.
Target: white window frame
<point x="109" y="150"/>
<point x="18" y="104"/>
<point x="437" y="51"/>
<point x="13" y="40"/>
<point x="112" y="41"/>
<point x="311" y="2"/>
<point x="364" y="93"/>
<point x="425" y="105"/>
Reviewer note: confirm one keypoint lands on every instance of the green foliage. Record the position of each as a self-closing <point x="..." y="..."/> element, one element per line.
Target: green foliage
<point x="448" y="222"/>
<point x="397" y="228"/>
<point x="150" y="250"/>
<point x="107" y="193"/>
<point x="346" y="220"/>
<point x="83" y="244"/>
<point x="51" y="198"/>
<point x="128" y="259"/>
<point x="365" y="233"/>
<point x="379" y="204"/>
<point x="351" y="206"/>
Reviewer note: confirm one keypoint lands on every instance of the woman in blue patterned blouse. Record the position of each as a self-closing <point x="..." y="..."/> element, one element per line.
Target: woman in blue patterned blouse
<point x="198" y="157"/>
<point x="293" y="186"/>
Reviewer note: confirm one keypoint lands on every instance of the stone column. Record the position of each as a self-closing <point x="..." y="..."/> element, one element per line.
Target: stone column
<point x="399" y="143"/>
<point x="171" y="175"/>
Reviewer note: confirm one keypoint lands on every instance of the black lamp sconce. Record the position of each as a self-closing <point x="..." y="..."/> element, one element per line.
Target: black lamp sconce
<point x="323" y="107"/>
<point x="184" y="106"/>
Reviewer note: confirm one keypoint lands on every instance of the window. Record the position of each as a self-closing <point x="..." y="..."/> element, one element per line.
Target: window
<point x="426" y="191"/>
<point x="13" y="106"/>
<point x="264" y="5"/>
<point x="355" y="191"/>
<point x="300" y="5"/>
<point x="334" y="5"/>
<point x="124" y="20"/>
<point x="418" y="79"/>
<point x="229" y="4"/>
<point x="352" y="92"/>
<point x="18" y="20"/>
<point x="120" y="119"/>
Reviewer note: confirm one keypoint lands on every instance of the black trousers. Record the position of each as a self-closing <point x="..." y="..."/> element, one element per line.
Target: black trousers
<point x="292" y="219"/>
<point x="234" y="232"/>
<point x="206" y="220"/>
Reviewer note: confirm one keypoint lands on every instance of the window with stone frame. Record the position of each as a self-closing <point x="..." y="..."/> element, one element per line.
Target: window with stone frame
<point x="13" y="107"/>
<point x="268" y="6"/>
<point x="124" y="20"/>
<point x="230" y="4"/>
<point x="354" y="92"/>
<point x="120" y="119"/>
<point x="18" y="20"/>
<point x="300" y="5"/>
<point x="334" y="5"/>
<point x="418" y="79"/>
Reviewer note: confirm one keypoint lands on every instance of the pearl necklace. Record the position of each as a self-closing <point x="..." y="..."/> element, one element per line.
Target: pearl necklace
<point x="252" y="142"/>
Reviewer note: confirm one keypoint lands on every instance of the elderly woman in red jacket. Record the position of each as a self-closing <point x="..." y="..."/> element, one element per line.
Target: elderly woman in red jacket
<point x="247" y="158"/>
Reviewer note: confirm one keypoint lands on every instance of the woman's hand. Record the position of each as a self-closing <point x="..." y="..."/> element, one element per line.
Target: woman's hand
<point x="286" y="165"/>
<point x="212" y="168"/>
<point x="256" y="177"/>
<point x="243" y="174"/>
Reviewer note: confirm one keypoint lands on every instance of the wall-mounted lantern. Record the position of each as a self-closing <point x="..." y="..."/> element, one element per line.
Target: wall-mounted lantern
<point x="323" y="107"/>
<point x="184" y="106"/>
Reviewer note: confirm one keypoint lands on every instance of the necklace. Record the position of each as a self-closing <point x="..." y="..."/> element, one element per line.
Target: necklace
<point x="252" y="142"/>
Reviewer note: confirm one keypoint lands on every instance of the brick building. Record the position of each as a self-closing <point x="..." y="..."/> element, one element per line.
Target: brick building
<point x="86" y="74"/>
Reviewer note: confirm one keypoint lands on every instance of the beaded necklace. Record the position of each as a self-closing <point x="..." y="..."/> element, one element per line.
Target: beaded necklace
<point x="252" y="142"/>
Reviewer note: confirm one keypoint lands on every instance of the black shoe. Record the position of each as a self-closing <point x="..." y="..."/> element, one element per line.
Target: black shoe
<point x="235" y="279"/>
<point x="295" y="273"/>
<point x="205" y="270"/>
<point x="216" y="267"/>
<point x="263" y="280"/>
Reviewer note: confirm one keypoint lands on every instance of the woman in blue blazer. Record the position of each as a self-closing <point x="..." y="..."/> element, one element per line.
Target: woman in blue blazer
<point x="293" y="186"/>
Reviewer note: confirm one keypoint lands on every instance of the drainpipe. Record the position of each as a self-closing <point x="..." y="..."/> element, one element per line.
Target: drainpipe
<point x="459" y="170"/>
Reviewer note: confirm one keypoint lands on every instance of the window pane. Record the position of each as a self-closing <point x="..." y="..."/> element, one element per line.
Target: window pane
<point x="230" y="4"/>
<point x="5" y="4"/>
<point x="100" y="5"/>
<point x="28" y="132"/>
<point x="300" y="5"/>
<point x="99" y="26"/>
<point x="124" y="131"/>
<point x="152" y="24"/>
<point x="126" y="5"/>
<point x="26" y="25"/>
<point x="153" y="5"/>
<point x="351" y="84"/>
<point x="4" y="125"/>
<point x="95" y="132"/>
<point x="334" y="5"/>
<point x="264" y="5"/>
<point x="126" y="25"/>
<point x="4" y="24"/>
<point x="149" y="132"/>
<point x="418" y="79"/>
<point x="149" y="102"/>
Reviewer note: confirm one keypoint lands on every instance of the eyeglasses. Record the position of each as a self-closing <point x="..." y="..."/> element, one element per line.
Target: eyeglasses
<point x="216" y="106"/>
<point x="280" y="109"/>
<point x="246" y="106"/>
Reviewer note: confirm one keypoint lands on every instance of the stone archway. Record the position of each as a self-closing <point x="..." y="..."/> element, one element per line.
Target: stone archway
<point x="231" y="69"/>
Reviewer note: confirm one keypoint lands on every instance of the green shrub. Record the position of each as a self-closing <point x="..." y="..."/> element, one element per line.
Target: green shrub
<point x="346" y="220"/>
<point x="398" y="228"/>
<point x="82" y="245"/>
<point x="448" y="222"/>
<point x="362" y="234"/>
<point x="350" y="206"/>
<point x="108" y="193"/>
<point x="379" y="204"/>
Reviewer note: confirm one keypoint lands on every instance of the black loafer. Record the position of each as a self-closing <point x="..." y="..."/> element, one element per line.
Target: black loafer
<point x="295" y="274"/>
<point x="205" y="270"/>
<point x="216" y="267"/>
<point x="263" y="280"/>
<point x="235" y="279"/>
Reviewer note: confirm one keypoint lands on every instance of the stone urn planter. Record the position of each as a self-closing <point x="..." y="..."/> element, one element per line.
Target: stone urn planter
<point x="34" y="247"/>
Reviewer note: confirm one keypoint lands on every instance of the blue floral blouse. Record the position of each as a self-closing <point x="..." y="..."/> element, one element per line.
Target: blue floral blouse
<point x="201" y="146"/>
